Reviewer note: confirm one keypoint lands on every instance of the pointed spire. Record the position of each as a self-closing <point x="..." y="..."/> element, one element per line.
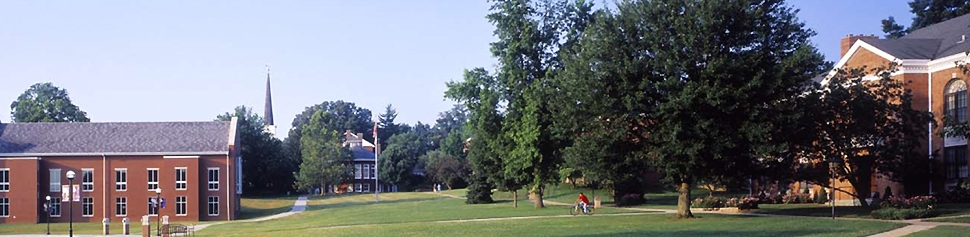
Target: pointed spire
<point x="268" y="110"/>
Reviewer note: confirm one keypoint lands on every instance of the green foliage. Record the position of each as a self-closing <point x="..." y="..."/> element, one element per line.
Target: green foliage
<point x="822" y="197"/>
<point x="267" y="169"/>
<point x="340" y="116"/>
<point x="927" y="12"/>
<point x="44" y="102"/>
<point x="445" y="168"/>
<point x="901" y="214"/>
<point x="386" y="126"/>
<point x="397" y="162"/>
<point x="325" y="159"/>
<point x="850" y="112"/>
<point x="450" y="132"/>
<point x="479" y="190"/>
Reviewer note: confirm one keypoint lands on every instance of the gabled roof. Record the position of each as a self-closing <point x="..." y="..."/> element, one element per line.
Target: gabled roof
<point x="361" y="153"/>
<point x="931" y="42"/>
<point x="174" y="138"/>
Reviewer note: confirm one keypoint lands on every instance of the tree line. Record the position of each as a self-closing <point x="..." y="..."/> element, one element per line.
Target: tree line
<point x="701" y="91"/>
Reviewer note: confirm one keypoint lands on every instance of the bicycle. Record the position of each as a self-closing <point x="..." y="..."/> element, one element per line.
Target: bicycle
<point x="578" y="209"/>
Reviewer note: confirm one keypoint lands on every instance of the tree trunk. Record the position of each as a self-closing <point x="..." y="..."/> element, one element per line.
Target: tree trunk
<point x="515" y="199"/>
<point x="683" y="201"/>
<point x="538" y="201"/>
<point x="862" y="188"/>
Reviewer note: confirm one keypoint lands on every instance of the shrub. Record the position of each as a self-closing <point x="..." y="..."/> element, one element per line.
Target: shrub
<point x="919" y="202"/>
<point x="708" y="203"/>
<point x="822" y="197"/>
<point x="796" y="198"/>
<point x="892" y="213"/>
<point x="770" y="199"/>
<point x="959" y="194"/>
<point x="631" y="199"/>
<point x="747" y="203"/>
<point x="888" y="193"/>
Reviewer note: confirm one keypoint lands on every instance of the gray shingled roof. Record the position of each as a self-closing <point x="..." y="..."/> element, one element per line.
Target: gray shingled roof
<point x="932" y="42"/>
<point x="362" y="154"/>
<point x="131" y="137"/>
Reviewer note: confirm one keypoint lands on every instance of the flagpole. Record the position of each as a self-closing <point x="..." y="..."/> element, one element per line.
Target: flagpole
<point x="377" y="155"/>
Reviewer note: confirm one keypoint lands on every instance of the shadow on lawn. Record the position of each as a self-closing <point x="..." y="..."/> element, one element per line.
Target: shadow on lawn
<point x="311" y="207"/>
<point x="736" y="232"/>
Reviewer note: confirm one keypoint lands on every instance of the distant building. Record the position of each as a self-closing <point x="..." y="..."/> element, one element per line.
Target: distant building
<point x="365" y="170"/>
<point x="118" y="167"/>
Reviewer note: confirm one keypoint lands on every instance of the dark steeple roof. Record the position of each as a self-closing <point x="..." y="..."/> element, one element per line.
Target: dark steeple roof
<point x="268" y="110"/>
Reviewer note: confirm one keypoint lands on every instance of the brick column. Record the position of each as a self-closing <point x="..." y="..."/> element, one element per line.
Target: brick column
<point x="146" y="229"/>
<point x="164" y="226"/>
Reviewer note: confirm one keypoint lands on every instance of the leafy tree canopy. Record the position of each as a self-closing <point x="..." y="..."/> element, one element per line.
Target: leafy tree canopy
<point x="44" y="102"/>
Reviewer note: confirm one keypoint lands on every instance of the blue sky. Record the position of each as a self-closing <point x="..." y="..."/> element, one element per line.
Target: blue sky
<point x="193" y="60"/>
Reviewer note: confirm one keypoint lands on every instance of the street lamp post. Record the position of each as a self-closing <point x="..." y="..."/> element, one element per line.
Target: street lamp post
<point x="158" y="203"/>
<point x="47" y="207"/>
<point x="833" y="166"/>
<point x="70" y="190"/>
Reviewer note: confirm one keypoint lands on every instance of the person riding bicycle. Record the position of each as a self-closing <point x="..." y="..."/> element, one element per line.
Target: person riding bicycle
<point x="583" y="201"/>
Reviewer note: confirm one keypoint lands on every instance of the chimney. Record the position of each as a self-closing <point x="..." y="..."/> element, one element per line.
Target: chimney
<point x="347" y="134"/>
<point x="850" y="39"/>
<point x="360" y="135"/>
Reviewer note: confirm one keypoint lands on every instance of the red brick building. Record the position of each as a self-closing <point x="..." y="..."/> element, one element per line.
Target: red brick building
<point x="118" y="167"/>
<point x="927" y="62"/>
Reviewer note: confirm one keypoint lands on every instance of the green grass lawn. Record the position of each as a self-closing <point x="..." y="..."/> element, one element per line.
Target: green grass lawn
<point x="964" y="219"/>
<point x="813" y="210"/>
<point x="255" y="207"/>
<point x="419" y="214"/>
<point x="942" y="231"/>
<point x="251" y="208"/>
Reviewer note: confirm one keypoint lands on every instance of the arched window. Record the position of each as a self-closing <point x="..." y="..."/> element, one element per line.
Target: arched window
<point x="956" y="101"/>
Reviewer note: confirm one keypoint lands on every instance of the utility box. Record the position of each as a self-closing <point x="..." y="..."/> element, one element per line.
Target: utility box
<point x="597" y="202"/>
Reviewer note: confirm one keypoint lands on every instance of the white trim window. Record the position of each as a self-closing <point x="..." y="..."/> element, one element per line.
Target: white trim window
<point x="121" y="206"/>
<point x="87" y="207"/>
<point x="213" y="205"/>
<point x="152" y="209"/>
<point x="366" y="188"/>
<point x="358" y="187"/>
<point x="152" y="179"/>
<point x="87" y="180"/>
<point x="181" y="206"/>
<point x="357" y="171"/>
<point x="4" y="207"/>
<point x="213" y="179"/>
<point x="373" y="171"/>
<point x="55" y="207"/>
<point x="55" y="180"/>
<point x="366" y="171"/>
<point x="4" y="179"/>
<point x="181" y="178"/>
<point x="121" y="179"/>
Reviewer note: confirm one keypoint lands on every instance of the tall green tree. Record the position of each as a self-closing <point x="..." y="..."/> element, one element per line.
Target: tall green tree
<point x="867" y="126"/>
<point x="266" y="167"/>
<point x="325" y="159"/>
<point x="386" y="125"/>
<point x="479" y="92"/>
<point x="44" y="102"/>
<point x="399" y="159"/>
<point x="698" y="83"/>
<point x="340" y="116"/>
<point x="927" y="12"/>
<point x="445" y="169"/>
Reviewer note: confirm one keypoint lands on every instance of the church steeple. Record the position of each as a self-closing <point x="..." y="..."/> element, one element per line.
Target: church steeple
<point x="268" y="109"/>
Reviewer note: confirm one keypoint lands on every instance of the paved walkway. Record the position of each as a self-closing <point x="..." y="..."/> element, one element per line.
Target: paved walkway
<point x="298" y="206"/>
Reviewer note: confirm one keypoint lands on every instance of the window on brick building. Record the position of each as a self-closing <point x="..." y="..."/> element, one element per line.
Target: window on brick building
<point x="181" y="179"/>
<point x="55" y="206"/>
<point x="152" y="179"/>
<point x="55" y="178"/>
<point x="213" y="205"/>
<point x="955" y="100"/>
<point x="4" y="179"/>
<point x="180" y="206"/>
<point x="4" y="207"/>
<point x="213" y="179"/>
<point x="121" y="179"/>
<point x="87" y="207"/>
<point x="121" y="206"/>
<point x="87" y="180"/>
<point x="955" y="161"/>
